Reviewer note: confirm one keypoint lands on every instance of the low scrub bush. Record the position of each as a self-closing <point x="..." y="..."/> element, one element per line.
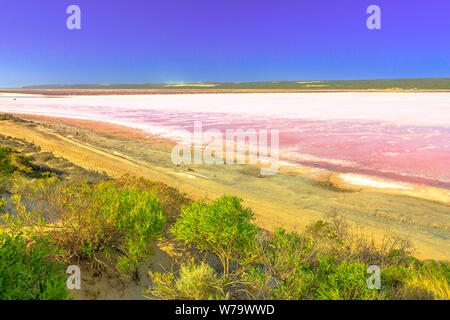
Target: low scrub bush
<point x="110" y="222"/>
<point x="170" y="198"/>
<point x="194" y="282"/>
<point x="285" y="252"/>
<point x="326" y="261"/>
<point x="222" y="226"/>
<point x="29" y="270"/>
<point x="342" y="281"/>
<point x="337" y="238"/>
<point x="15" y="217"/>
<point x="6" y="116"/>
<point x="282" y="256"/>
<point x="418" y="281"/>
<point x="6" y="167"/>
<point x="12" y="162"/>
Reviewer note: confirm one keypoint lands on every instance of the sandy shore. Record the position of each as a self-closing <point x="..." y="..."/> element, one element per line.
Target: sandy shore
<point x="293" y="198"/>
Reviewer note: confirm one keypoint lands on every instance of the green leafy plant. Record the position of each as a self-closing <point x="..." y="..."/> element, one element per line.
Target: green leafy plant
<point x="285" y="252"/>
<point x="29" y="270"/>
<point x="6" y="167"/>
<point x="343" y="281"/>
<point x="19" y="219"/>
<point x="109" y="216"/>
<point x="12" y="162"/>
<point x="284" y="256"/>
<point x="223" y="227"/>
<point x="6" y="116"/>
<point x="418" y="281"/>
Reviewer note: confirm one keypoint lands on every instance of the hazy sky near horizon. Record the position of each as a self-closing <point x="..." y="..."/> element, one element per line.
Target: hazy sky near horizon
<point x="137" y="41"/>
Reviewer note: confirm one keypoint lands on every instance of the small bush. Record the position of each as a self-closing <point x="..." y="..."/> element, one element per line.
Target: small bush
<point x="110" y="218"/>
<point x="12" y="162"/>
<point x="223" y="227"/>
<point x="338" y="239"/>
<point x="285" y="252"/>
<point x="15" y="217"/>
<point x="418" y="281"/>
<point x="6" y="167"/>
<point x="343" y="281"/>
<point x="28" y="270"/>
<point x="169" y="197"/>
<point x="195" y="282"/>
<point x="6" y="116"/>
<point x="282" y="256"/>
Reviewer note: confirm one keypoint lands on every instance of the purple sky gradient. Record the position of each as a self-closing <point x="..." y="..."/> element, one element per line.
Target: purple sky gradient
<point x="138" y="41"/>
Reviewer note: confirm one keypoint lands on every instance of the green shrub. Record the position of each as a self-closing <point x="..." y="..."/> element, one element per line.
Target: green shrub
<point x="343" y="281"/>
<point x="6" y="167"/>
<point x="326" y="279"/>
<point x="418" y="281"/>
<point x="15" y="217"/>
<point x="285" y="252"/>
<point x="169" y="197"/>
<point x="28" y="270"/>
<point x="282" y="256"/>
<point x="11" y="161"/>
<point x="337" y="238"/>
<point x="294" y="267"/>
<point x="111" y="218"/>
<point x="223" y="227"/>
<point x="6" y="116"/>
<point x="195" y="282"/>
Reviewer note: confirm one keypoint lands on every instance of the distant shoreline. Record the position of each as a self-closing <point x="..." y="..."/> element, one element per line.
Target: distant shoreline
<point x="99" y="92"/>
<point x="363" y="85"/>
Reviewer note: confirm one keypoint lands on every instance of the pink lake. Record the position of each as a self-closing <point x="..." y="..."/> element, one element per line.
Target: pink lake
<point x="405" y="136"/>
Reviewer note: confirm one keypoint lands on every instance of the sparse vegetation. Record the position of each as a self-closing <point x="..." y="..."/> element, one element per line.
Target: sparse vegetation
<point x="11" y="161"/>
<point x="379" y="84"/>
<point x="332" y="182"/>
<point x="418" y="280"/>
<point x="6" y="116"/>
<point x="110" y="218"/>
<point x="194" y="282"/>
<point x="6" y="167"/>
<point x="113" y="225"/>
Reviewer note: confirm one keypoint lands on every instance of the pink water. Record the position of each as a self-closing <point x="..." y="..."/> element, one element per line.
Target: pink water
<point x="401" y="135"/>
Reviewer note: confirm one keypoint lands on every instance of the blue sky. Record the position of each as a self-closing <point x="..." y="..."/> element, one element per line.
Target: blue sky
<point x="137" y="41"/>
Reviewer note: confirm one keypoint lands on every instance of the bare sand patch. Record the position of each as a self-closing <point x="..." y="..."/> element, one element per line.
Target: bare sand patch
<point x="359" y="180"/>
